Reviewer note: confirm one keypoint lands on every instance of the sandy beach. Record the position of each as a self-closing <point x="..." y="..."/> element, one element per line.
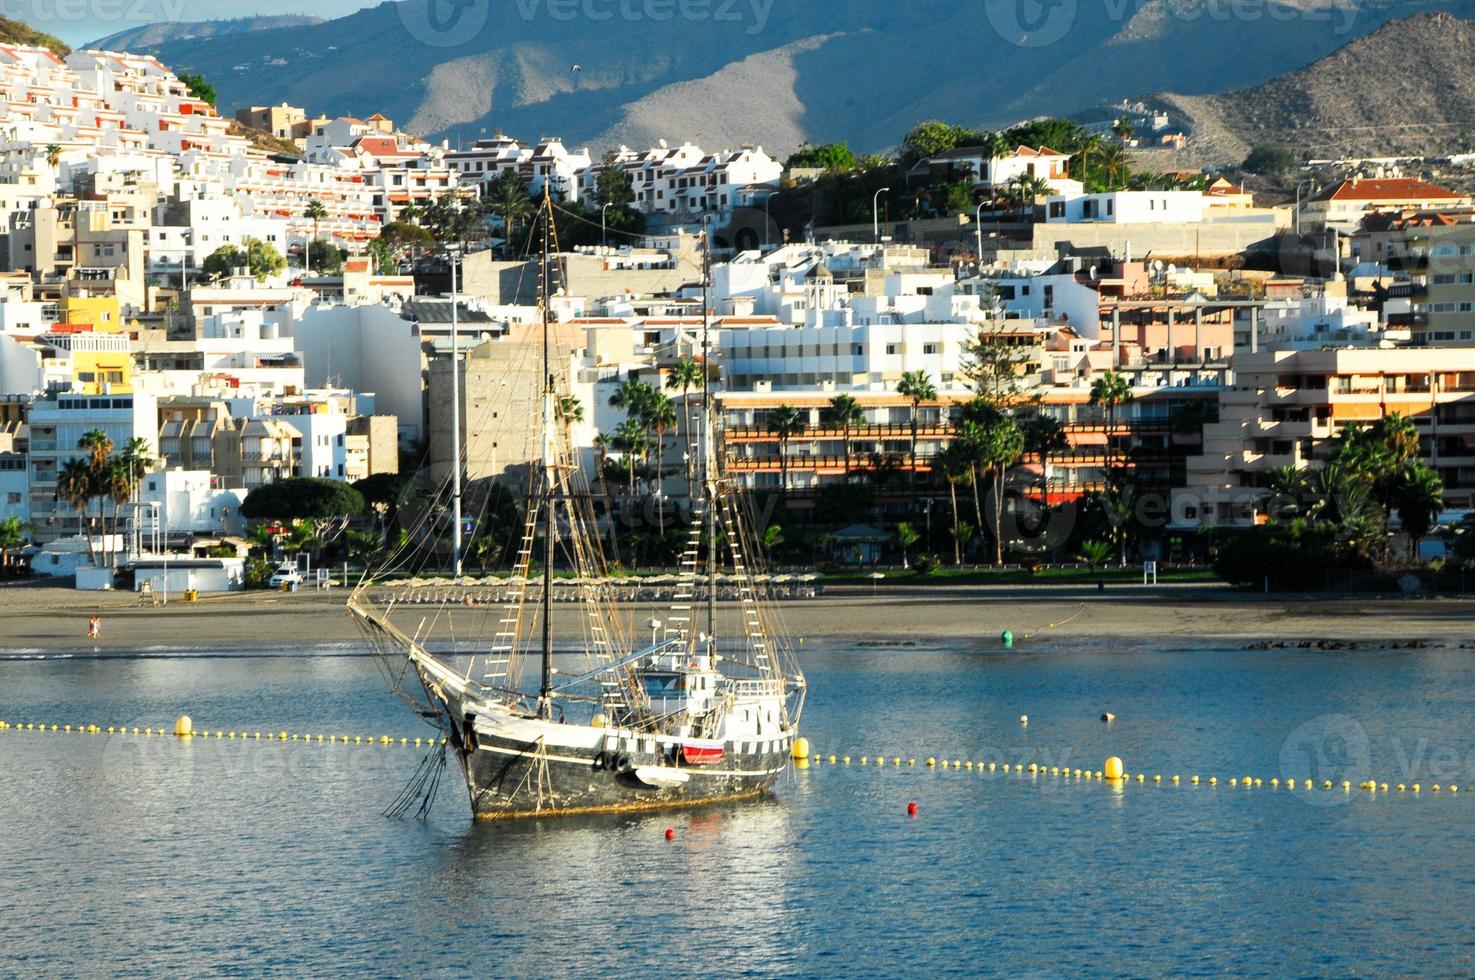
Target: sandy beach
<point x="46" y="618"/>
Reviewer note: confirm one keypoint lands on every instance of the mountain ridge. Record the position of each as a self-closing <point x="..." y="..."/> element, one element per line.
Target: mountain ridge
<point x="858" y="70"/>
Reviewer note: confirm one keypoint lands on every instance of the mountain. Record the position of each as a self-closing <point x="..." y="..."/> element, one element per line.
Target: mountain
<point x="1407" y="88"/>
<point x="152" y="35"/>
<point x="731" y="71"/>
<point x="15" y="32"/>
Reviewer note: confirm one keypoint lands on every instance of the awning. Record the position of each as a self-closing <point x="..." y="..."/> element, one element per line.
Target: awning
<point x="1089" y="439"/>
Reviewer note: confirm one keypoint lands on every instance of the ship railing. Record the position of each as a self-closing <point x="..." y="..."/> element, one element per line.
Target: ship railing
<point x="763" y="688"/>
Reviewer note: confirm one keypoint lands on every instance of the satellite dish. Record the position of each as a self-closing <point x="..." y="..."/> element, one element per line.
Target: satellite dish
<point x="1091" y="273"/>
<point x="663" y="144"/>
<point x="1157" y="265"/>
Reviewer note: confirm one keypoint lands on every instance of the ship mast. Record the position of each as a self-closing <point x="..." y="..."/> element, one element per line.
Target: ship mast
<point x="550" y="476"/>
<point x="709" y="471"/>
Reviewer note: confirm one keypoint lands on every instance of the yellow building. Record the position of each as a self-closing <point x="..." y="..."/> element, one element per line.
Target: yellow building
<point x="92" y="334"/>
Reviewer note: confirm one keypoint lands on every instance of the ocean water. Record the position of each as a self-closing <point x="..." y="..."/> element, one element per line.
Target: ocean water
<point x="137" y="856"/>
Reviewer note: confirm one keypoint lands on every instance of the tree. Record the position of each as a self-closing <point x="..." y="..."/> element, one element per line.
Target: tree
<point x="1418" y="495"/>
<point x="53" y="154"/>
<point x="406" y="239"/>
<point x="315" y="212"/>
<point x="993" y="362"/>
<point x="906" y="536"/>
<point x="955" y="467"/>
<point x="1000" y="449"/>
<point x="1024" y="189"/>
<point x="659" y="416"/>
<point x="1123" y="128"/>
<point x="326" y="258"/>
<point x="508" y="199"/>
<point x="1094" y="553"/>
<point x="834" y="157"/>
<point x="843" y="413"/>
<point x="199" y="87"/>
<point x="1269" y="160"/>
<point x="612" y="185"/>
<point x="256" y="256"/>
<point x="631" y="439"/>
<point x="928" y="139"/>
<point x="74" y="484"/>
<point x="786" y="421"/>
<point x="685" y="375"/>
<point x="12" y="535"/>
<point x="1111" y="390"/>
<point x="916" y="387"/>
<point x="302" y="498"/>
<point x="381" y="255"/>
<point x="1043" y="435"/>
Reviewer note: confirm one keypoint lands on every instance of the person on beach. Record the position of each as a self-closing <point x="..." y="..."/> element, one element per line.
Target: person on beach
<point x="94" y="627"/>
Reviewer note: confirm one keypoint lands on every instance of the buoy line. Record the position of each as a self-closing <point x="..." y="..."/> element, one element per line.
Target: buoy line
<point x="1112" y="771"/>
<point x="183" y="728"/>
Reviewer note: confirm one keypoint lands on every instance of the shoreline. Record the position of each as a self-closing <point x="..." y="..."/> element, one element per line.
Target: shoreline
<point x="42" y="619"/>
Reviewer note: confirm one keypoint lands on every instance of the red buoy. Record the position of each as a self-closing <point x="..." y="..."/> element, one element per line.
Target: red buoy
<point x="911" y="809"/>
<point x="670" y="834"/>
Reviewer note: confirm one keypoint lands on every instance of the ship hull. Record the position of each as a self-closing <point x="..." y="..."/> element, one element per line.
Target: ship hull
<point x="510" y="777"/>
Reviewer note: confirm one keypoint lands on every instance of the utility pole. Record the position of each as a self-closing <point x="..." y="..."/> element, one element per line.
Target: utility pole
<point x="455" y="426"/>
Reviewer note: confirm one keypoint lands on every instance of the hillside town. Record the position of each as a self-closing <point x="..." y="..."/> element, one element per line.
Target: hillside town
<point x="991" y="351"/>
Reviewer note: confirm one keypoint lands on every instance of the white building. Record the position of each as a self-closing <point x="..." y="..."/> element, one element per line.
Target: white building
<point x="1128" y="207"/>
<point x="57" y="423"/>
<point x="192" y="501"/>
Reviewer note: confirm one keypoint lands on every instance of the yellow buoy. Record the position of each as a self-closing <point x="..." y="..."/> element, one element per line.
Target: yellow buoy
<point x="801" y="748"/>
<point x="1175" y="780"/>
<point x="831" y="759"/>
<point x="1274" y="782"/>
<point x="931" y="761"/>
<point x="1213" y="780"/>
<point x="1113" y="768"/>
<point x="846" y="760"/>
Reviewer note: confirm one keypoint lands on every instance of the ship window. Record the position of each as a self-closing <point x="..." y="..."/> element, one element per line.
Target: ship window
<point x="663" y="685"/>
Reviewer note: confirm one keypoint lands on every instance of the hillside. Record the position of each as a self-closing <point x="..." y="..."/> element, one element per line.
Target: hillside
<point x="777" y="74"/>
<point x="15" y="32"/>
<point x="152" y="35"/>
<point x="1407" y="88"/>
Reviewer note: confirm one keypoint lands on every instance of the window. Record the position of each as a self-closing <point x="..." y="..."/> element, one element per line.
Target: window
<point x="891" y="349"/>
<point x="930" y="348"/>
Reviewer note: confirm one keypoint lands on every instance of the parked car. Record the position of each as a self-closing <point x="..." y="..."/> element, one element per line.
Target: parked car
<point x="286" y="574"/>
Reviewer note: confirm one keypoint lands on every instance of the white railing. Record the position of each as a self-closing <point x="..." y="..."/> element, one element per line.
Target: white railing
<point x="756" y="689"/>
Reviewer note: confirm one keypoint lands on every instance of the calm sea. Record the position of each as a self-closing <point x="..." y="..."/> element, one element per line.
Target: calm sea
<point x="152" y="856"/>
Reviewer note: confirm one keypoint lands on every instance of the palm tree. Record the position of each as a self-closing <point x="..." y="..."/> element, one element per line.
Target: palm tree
<point x="632" y="440"/>
<point x="916" y="387"/>
<point x="1043" y="435"/>
<point x="75" y="485"/>
<point x="1112" y="390"/>
<point x="99" y="448"/>
<point x="1024" y="189"/>
<point x="685" y="375"/>
<point x="843" y="413"/>
<point x="956" y="468"/>
<point x="1419" y="497"/>
<point x="12" y="535"/>
<point x="659" y="416"/>
<point x="632" y="397"/>
<point x="569" y="411"/>
<point x="1000" y="449"/>
<point x="1123" y="128"/>
<point x="786" y="421"/>
<point x="53" y="154"/>
<point x="316" y="213"/>
<point x="906" y="536"/>
<point x="508" y="199"/>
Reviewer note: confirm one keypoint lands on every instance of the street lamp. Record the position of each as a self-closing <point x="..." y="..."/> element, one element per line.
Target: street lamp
<point x="767" y="225"/>
<point x="978" y="229"/>
<point x="876" y="214"/>
<point x="604" y="225"/>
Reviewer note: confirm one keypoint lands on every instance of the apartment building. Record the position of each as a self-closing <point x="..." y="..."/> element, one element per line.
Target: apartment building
<point x="57" y="423"/>
<point x="1285" y="407"/>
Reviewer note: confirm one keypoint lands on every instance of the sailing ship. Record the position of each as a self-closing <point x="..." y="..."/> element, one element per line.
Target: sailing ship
<point x="702" y="709"/>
